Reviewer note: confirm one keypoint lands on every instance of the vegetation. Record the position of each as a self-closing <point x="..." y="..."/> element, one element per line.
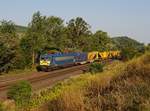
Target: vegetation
<point x="44" y="33"/>
<point x="129" y="47"/>
<point x="20" y="29"/>
<point x="9" y="47"/>
<point x="20" y="93"/>
<point x="147" y="48"/>
<point x="1" y="107"/>
<point x="124" y="87"/>
<point x="95" y="68"/>
<point x="121" y="87"/>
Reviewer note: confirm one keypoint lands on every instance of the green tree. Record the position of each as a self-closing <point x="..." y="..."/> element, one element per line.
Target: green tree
<point x="54" y="32"/>
<point x="25" y="45"/>
<point x="43" y="33"/>
<point x="77" y="30"/>
<point x="101" y="41"/>
<point x="34" y="38"/>
<point x="9" y="46"/>
<point x="10" y="56"/>
<point x="7" y="27"/>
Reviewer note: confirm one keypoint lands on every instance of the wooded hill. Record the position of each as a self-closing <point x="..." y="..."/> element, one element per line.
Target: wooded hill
<point x="20" y="29"/>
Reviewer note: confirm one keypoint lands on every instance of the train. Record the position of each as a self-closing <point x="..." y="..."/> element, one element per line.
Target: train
<point x="53" y="61"/>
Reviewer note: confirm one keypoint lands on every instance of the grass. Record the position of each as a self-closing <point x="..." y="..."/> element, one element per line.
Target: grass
<point x="18" y="72"/>
<point x="50" y="94"/>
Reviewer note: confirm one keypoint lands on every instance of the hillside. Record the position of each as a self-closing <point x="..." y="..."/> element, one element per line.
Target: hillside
<point x="125" y="41"/>
<point x="124" y="87"/>
<point x="20" y="29"/>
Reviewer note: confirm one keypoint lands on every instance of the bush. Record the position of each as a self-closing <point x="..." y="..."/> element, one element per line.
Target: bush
<point x="20" y="93"/>
<point x="96" y="67"/>
<point x="1" y="107"/>
<point x="127" y="90"/>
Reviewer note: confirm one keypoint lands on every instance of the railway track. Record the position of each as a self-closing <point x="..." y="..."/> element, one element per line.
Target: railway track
<point x="42" y="80"/>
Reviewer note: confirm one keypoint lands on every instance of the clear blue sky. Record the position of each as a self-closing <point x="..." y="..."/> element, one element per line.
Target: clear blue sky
<point x="117" y="17"/>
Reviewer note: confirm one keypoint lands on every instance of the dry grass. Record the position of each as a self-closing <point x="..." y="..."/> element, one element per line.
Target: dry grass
<point x="8" y="106"/>
<point x="75" y="101"/>
<point x="125" y="87"/>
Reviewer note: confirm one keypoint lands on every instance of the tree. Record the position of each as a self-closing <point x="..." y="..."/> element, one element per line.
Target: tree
<point x="34" y="36"/>
<point x="7" y="27"/>
<point x="43" y="33"/>
<point x="9" y="46"/>
<point x="76" y="29"/>
<point x="101" y="41"/>
<point x="25" y="45"/>
<point x="54" y="32"/>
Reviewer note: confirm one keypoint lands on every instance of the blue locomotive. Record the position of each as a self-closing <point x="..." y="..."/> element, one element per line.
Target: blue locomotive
<point x="56" y="60"/>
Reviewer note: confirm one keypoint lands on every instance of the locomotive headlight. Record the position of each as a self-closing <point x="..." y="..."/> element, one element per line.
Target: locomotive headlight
<point x="44" y="62"/>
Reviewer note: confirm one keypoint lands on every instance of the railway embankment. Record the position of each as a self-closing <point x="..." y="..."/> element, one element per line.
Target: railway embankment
<point x="120" y="87"/>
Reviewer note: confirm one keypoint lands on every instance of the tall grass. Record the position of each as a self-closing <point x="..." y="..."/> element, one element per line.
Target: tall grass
<point x="126" y="87"/>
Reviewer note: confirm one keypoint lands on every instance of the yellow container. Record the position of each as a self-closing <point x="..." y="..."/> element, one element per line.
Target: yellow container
<point x="92" y="56"/>
<point x="104" y="55"/>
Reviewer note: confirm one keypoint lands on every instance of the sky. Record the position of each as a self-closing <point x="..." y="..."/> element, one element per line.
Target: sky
<point x="117" y="17"/>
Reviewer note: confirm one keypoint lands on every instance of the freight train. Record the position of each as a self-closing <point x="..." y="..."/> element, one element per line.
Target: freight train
<point x="49" y="62"/>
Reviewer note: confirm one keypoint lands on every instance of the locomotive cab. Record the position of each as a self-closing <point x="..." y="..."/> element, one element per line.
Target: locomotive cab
<point x="45" y="60"/>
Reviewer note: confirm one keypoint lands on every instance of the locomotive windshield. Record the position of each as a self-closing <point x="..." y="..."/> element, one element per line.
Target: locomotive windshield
<point x="45" y="60"/>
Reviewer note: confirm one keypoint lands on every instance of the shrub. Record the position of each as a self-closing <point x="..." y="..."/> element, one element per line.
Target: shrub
<point x="20" y="93"/>
<point x="1" y="107"/>
<point x="96" y="67"/>
<point x="128" y="90"/>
